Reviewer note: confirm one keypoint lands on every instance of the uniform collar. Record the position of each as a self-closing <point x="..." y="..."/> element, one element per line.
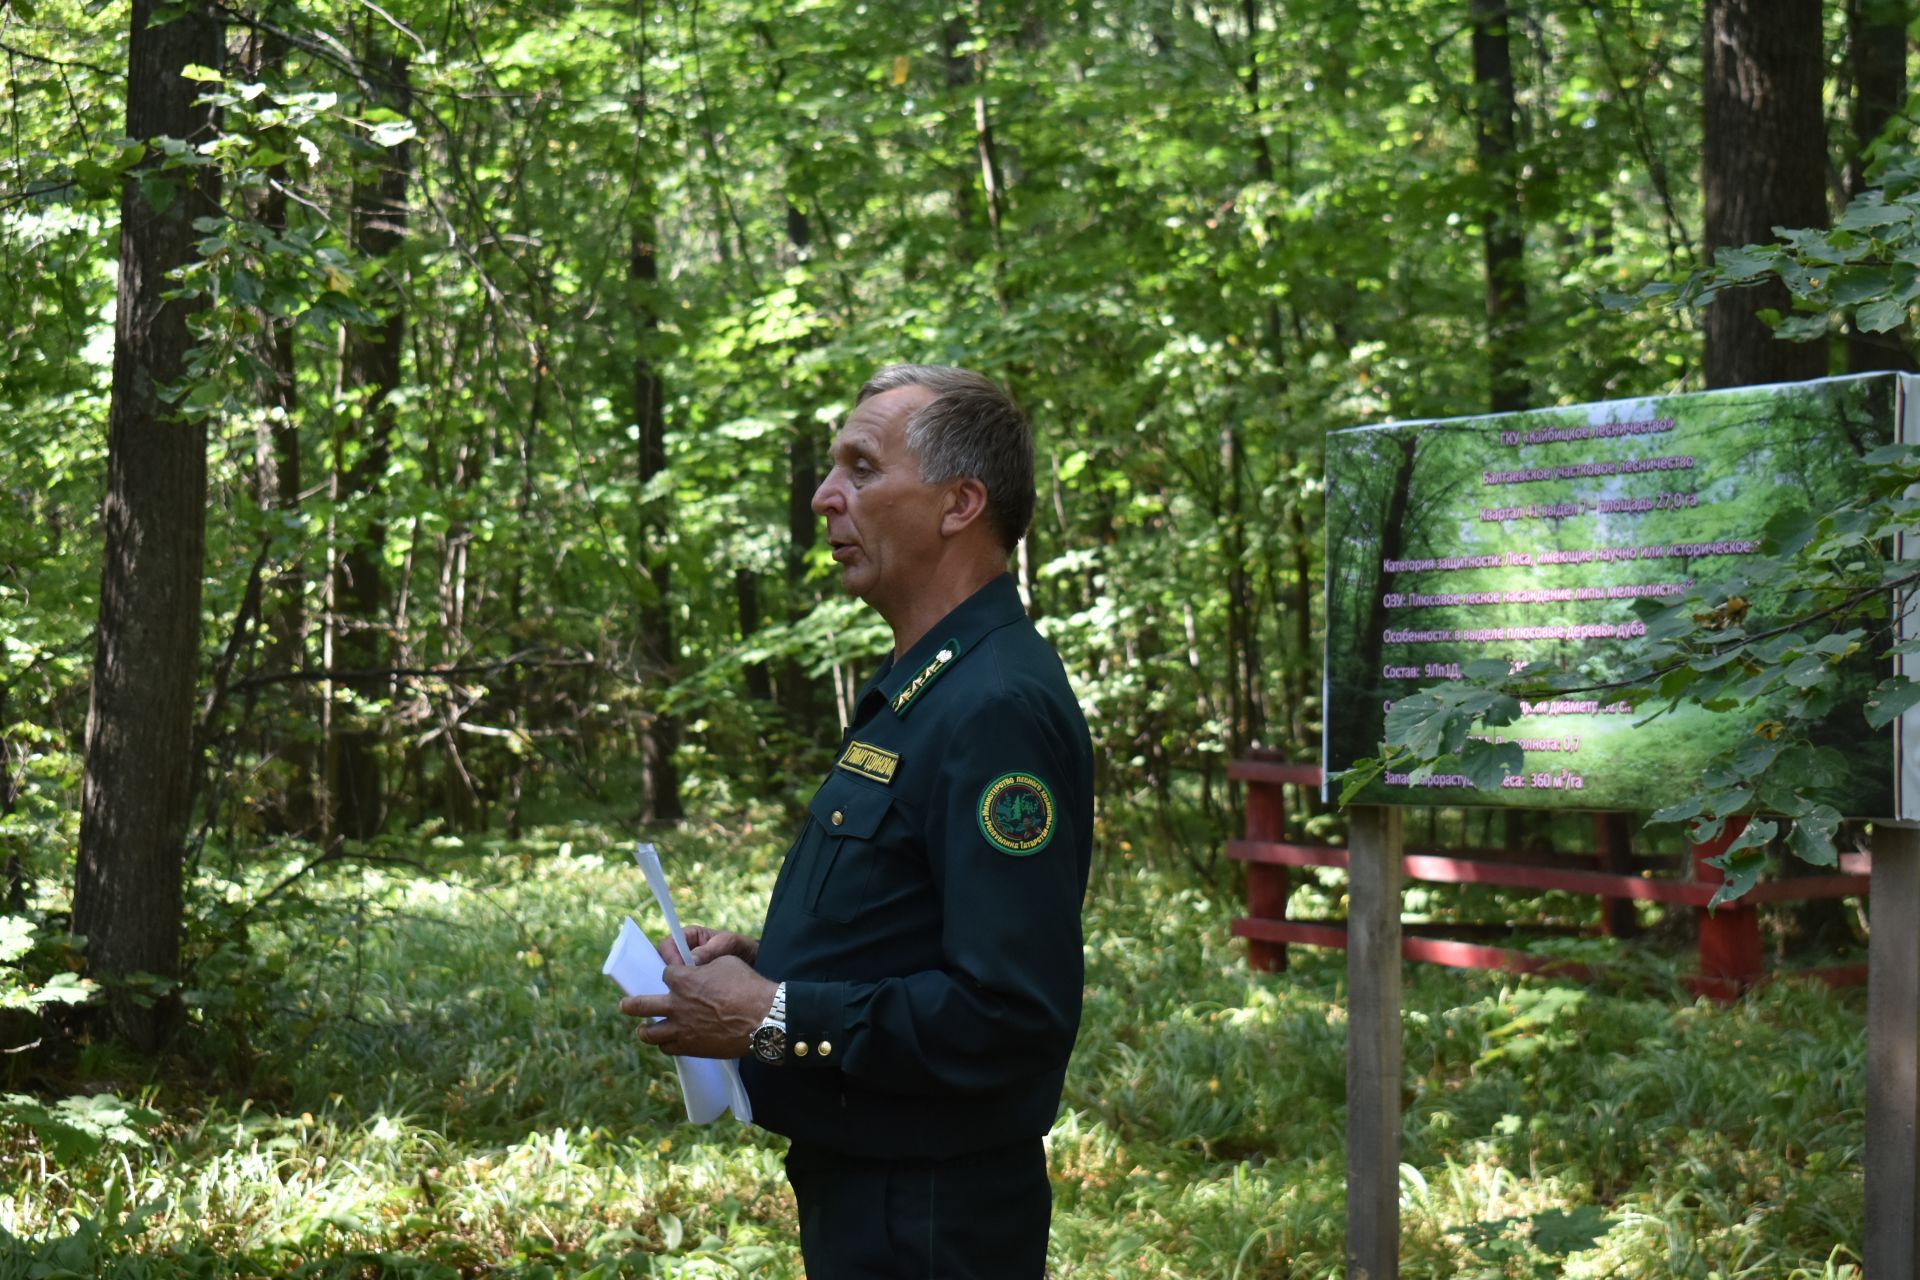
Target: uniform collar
<point x="986" y="610"/>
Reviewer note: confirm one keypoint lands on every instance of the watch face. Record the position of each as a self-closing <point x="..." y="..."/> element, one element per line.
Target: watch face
<point x="769" y="1043"/>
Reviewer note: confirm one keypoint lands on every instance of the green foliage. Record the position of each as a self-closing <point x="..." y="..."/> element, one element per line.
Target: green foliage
<point x="1538" y="1242"/>
<point x="444" y="1086"/>
<point x="1864" y="269"/>
<point x="76" y="1128"/>
<point x="24" y="980"/>
<point x="1267" y="229"/>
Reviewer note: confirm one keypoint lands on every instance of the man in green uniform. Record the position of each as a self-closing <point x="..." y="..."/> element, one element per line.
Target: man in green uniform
<point x="906" y="1015"/>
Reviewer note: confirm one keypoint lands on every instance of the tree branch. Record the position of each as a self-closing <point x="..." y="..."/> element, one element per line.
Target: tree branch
<point x="109" y="72"/>
<point x="411" y="673"/>
<point x="1858" y="597"/>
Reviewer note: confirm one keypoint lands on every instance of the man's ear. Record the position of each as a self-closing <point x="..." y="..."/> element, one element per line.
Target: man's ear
<point x="966" y="503"/>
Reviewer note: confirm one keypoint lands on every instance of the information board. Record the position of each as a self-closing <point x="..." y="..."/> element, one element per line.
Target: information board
<point x="1529" y="536"/>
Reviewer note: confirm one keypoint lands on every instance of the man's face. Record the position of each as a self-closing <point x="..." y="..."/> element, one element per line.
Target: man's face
<point x="883" y="522"/>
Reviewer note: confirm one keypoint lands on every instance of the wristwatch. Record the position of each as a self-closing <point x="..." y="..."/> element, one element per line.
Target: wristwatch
<point x="769" y="1041"/>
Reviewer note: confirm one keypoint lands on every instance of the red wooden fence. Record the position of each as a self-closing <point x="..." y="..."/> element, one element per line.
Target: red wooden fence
<point x="1730" y="951"/>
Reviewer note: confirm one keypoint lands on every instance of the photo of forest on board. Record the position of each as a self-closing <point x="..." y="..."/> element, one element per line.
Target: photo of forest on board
<point x="1534" y="537"/>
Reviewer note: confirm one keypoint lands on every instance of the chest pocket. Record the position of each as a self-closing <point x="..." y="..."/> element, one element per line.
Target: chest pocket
<point x="849" y="815"/>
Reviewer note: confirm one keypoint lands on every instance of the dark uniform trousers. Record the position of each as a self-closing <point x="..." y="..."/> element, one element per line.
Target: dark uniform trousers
<point x="975" y="1217"/>
<point x="926" y="923"/>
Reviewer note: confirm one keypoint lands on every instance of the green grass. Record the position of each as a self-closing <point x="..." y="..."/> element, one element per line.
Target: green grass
<point x="441" y="1088"/>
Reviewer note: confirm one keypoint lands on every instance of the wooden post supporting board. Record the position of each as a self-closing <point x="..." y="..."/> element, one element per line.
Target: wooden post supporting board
<point x="1373" y="1045"/>
<point x="1893" y="1057"/>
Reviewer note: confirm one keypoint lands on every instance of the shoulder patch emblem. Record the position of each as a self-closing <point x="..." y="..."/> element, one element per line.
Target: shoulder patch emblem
<point x="869" y="761"/>
<point x="926" y="676"/>
<point x="1016" y="814"/>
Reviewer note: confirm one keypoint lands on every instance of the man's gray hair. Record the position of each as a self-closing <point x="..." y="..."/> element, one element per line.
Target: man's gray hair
<point x="971" y="429"/>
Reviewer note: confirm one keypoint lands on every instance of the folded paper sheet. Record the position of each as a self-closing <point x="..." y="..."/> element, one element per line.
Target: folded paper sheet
<point x="649" y="859"/>
<point x="707" y="1085"/>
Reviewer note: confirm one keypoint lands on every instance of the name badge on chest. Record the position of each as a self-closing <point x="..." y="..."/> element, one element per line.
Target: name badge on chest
<point x="868" y="761"/>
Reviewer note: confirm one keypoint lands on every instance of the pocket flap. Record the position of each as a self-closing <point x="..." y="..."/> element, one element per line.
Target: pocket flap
<point x="847" y="807"/>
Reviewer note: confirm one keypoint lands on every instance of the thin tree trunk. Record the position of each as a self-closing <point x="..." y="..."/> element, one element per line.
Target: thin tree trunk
<point x="519" y="714"/>
<point x="371" y="373"/>
<point x="1242" y="715"/>
<point x="660" y="735"/>
<point x="9" y="781"/>
<point x="746" y="594"/>
<point x="1764" y="166"/>
<point x="799" y="692"/>
<point x="277" y="473"/>
<point x="959" y="72"/>
<point x="1877" y="45"/>
<point x="990" y="184"/>
<point x="1503" y="234"/>
<point x="134" y="798"/>
<point x="1359" y="729"/>
<point x="1306" y="660"/>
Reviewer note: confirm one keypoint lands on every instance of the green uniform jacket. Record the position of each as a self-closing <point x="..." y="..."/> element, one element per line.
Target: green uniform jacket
<point x="927" y="920"/>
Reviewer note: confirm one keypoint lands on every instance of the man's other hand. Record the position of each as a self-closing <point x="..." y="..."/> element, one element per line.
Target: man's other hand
<point x="710" y="944"/>
<point x="709" y="1011"/>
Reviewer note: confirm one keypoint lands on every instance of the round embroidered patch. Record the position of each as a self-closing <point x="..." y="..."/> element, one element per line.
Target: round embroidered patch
<point x="1016" y="814"/>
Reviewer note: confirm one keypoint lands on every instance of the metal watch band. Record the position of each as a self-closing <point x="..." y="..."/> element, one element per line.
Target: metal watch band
<point x="769" y="1039"/>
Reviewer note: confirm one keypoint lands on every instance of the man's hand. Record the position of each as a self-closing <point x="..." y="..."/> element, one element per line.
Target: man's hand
<point x="709" y="1011"/>
<point x="710" y="944"/>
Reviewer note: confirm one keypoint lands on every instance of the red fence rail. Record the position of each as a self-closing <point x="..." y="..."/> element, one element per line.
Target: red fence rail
<point x="1730" y="954"/>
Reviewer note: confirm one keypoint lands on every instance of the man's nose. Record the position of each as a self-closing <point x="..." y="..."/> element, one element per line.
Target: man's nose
<point x="827" y="498"/>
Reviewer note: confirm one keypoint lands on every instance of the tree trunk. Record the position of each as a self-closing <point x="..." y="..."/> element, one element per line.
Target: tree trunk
<point x="746" y="595"/>
<point x="660" y="734"/>
<point x="134" y="796"/>
<point x="9" y="781"/>
<point x="1764" y="166"/>
<point x="1877" y="45"/>
<point x="277" y="473"/>
<point x="1503" y="234"/>
<point x="984" y="148"/>
<point x="959" y="75"/>
<point x="371" y="373"/>
<point x="1361" y="728"/>
<point x="799" y="692"/>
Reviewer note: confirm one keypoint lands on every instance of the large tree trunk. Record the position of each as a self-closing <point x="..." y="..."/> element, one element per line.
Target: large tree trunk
<point x="371" y="374"/>
<point x="134" y="796"/>
<point x="1764" y="167"/>
<point x="1877" y="46"/>
<point x="1503" y="234"/>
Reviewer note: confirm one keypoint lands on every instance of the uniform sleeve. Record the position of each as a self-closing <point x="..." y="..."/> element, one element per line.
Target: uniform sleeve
<point x="1004" y="826"/>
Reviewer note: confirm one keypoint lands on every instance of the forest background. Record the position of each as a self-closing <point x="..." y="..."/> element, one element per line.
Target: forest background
<point x="410" y="412"/>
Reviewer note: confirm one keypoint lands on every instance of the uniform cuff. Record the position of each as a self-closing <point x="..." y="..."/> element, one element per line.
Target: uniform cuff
<point x="816" y="1024"/>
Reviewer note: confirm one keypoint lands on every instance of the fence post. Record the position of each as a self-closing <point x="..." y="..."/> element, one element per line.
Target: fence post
<point x="1730" y="958"/>
<point x="1268" y="884"/>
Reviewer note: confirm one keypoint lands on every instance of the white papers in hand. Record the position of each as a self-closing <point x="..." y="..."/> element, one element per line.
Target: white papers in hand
<point x="649" y="859"/>
<point x="636" y="967"/>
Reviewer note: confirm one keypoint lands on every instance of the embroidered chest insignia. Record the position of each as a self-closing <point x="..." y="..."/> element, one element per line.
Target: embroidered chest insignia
<point x="1016" y="814"/>
<point x="869" y="761"/>
<point x="926" y="676"/>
